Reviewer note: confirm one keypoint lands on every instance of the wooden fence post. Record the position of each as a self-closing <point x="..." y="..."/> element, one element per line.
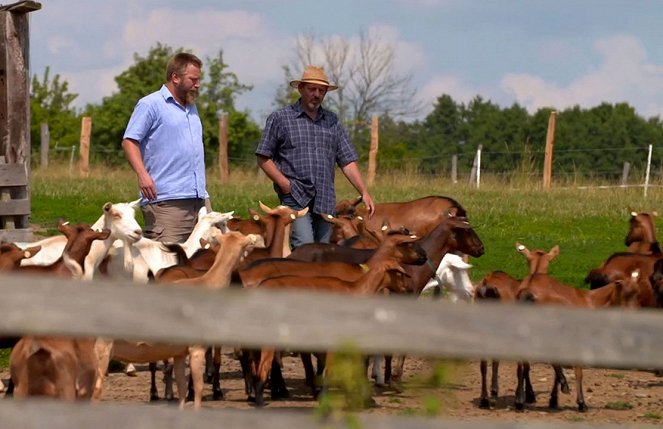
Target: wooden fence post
<point x="373" y="151"/>
<point x="625" y="172"/>
<point x="84" y="160"/>
<point x="550" y="142"/>
<point x="45" y="139"/>
<point x="223" y="147"/>
<point x="454" y="168"/>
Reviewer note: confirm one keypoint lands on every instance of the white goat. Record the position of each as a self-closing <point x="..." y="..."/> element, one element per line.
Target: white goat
<point x="119" y="218"/>
<point x="150" y="255"/>
<point x="452" y="274"/>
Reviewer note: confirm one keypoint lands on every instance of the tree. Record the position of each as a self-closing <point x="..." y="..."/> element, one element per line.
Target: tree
<point x="50" y="102"/>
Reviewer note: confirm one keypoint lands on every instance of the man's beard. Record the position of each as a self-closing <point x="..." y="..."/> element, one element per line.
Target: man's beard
<point x="191" y="97"/>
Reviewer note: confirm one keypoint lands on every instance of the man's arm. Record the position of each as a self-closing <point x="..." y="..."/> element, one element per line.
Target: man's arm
<point x="272" y="171"/>
<point x="351" y="171"/>
<point x="147" y="186"/>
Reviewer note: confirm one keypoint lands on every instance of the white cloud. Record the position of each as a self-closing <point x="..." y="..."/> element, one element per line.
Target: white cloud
<point x="624" y="75"/>
<point x="454" y="86"/>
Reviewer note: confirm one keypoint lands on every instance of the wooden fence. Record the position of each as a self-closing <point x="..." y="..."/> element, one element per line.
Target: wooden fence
<point x="613" y="338"/>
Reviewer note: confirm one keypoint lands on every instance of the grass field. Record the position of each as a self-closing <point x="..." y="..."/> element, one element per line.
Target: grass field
<point x="588" y="224"/>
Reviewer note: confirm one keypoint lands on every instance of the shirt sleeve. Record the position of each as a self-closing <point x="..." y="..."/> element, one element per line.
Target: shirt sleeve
<point x="270" y="136"/>
<point x="346" y="151"/>
<point x="140" y="122"/>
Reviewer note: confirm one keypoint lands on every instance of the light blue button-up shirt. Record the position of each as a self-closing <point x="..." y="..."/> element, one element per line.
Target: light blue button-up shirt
<point x="170" y="138"/>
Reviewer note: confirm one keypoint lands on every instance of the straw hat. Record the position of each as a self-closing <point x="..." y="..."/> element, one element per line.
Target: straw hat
<point x="316" y="75"/>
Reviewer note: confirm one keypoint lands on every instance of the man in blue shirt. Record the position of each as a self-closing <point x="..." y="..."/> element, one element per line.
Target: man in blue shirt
<point x="163" y="143"/>
<point x="299" y="150"/>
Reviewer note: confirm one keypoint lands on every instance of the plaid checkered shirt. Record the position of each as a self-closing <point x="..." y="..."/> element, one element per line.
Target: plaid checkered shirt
<point x="307" y="151"/>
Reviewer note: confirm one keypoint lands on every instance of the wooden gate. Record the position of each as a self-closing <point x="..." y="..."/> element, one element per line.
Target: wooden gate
<point x="15" y="121"/>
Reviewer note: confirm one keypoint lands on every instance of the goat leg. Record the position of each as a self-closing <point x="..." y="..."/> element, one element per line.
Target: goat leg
<point x="261" y="374"/>
<point x="168" y="380"/>
<point x="520" y="400"/>
<point x="308" y="368"/>
<point x="276" y="381"/>
<point x="217" y="393"/>
<point x="209" y="365"/>
<point x="154" y="392"/>
<point x="483" y="401"/>
<point x="244" y="362"/>
<point x="495" y="379"/>
<point x="580" y="397"/>
<point x="530" y="396"/>
<point x="553" y="403"/>
<point x="561" y="378"/>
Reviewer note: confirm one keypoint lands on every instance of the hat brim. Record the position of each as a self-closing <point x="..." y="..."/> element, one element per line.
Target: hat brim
<point x="295" y="83"/>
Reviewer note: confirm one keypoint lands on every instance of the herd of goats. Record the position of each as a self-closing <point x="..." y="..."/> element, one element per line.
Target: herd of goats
<point x="368" y="255"/>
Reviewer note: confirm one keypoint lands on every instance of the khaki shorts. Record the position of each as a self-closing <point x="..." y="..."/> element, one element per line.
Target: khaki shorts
<point x="173" y="220"/>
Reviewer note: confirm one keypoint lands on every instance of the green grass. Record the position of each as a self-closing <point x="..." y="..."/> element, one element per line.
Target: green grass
<point x="652" y="415"/>
<point x="588" y="224"/>
<point x="618" y="405"/>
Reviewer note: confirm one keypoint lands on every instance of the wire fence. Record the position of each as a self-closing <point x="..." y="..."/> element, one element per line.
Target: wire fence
<point x="621" y="166"/>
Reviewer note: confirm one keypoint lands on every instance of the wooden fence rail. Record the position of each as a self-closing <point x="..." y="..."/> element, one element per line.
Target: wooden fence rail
<point x="26" y="415"/>
<point x="608" y="337"/>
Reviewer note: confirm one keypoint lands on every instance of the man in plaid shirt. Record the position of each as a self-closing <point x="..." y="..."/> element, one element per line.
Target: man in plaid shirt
<point x="299" y="150"/>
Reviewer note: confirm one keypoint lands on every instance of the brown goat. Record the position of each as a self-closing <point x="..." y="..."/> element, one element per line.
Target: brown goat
<point x="641" y="236"/>
<point x="420" y="215"/>
<point x="79" y="241"/>
<point x="60" y="368"/>
<point x="544" y="289"/>
<point x="498" y="285"/>
<point x="11" y="255"/>
<point x="377" y="276"/>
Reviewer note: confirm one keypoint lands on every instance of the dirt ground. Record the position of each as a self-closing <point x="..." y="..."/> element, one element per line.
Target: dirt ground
<point x="613" y="396"/>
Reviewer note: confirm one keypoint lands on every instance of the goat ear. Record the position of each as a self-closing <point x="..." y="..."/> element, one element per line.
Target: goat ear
<point x="554" y="251"/>
<point x="654" y="213"/>
<point x="302" y="212"/>
<point x="32" y="251"/>
<point x="521" y="247"/>
<point x="106" y="207"/>
<point x="135" y="204"/>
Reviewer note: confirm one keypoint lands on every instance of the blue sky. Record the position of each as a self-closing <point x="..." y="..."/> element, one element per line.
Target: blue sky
<point x="536" y="53"/>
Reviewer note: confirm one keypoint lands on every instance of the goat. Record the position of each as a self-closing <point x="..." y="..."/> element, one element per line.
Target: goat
<point x="544" y="289"/>
<point x="498" y="285"/>
<point x="80" y="238"/>
<point x="452" y="274"/>
<point x="420" y="215"/>
<point x="377" y="276"/>
<point x="61" y="368"/>
<point x="234" y="245"/>
<point x="118" y="218"/>
<point x="153" y="256"/>
<point x="11" y="255"/>
<point x="641" y="236"/>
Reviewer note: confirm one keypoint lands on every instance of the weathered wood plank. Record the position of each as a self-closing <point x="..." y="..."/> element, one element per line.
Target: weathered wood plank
<point x="14" y="207"/>
<point x="607" y="337"/>
<point x="13" y="175"/>
<point x="53" y="415"/>
<point x="16" y="235"/>
<point x="21" y="6"/>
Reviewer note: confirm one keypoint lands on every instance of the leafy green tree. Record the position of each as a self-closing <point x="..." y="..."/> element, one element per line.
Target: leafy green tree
<point x="50" y="103"/>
